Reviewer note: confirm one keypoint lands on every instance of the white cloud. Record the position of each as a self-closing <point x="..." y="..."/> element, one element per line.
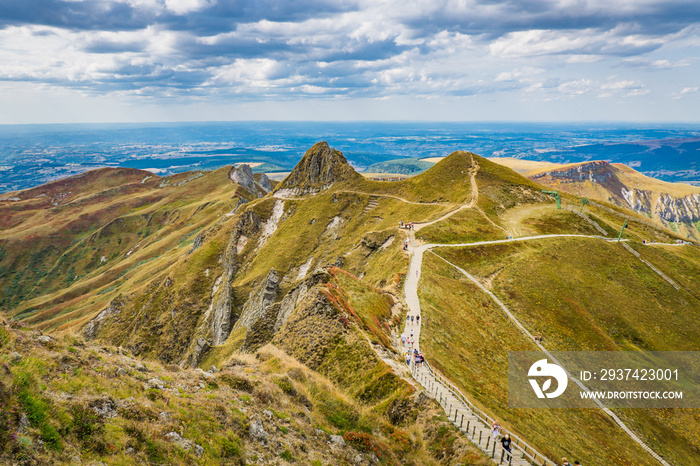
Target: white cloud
<point x="182" y="7"/>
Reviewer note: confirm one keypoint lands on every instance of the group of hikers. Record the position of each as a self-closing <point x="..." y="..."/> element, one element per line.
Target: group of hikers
<point x="409" y="340"/>
<point x="417" y="356"/>
<point x="407" y="226"/>
<point x="506" y="441"/>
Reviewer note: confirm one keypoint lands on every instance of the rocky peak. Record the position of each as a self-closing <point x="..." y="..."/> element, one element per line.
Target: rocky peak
<point x="265" y="183"/>
<point x="320" y="167"/>
<point x="243" y="176"/>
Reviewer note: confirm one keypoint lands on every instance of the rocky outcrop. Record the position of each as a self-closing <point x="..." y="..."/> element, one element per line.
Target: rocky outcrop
<point x="320" y="167"/>
<point x="243" y="176"/>
<point x="260" y="300"/>
<point x="263" y="317"/>
<point x="221" y="316"/>
<point x="638" y="200"/>
<point x="265" y="183"/>
<point x="93" y="327"/>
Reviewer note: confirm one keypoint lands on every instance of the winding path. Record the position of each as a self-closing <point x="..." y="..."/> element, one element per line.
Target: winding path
<point x="449" y="396"/>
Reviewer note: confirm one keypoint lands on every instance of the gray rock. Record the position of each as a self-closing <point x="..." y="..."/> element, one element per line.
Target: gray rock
<point x="221" y="309"/>
<point x="105" y="408"/>
<point x="141" y="368"/>
<point x="178" y="440"/>
<point x="260" y="300"/>
<point x="357" y="459"/>
<point x="257" y="431"/>
<point x="156" y="383"/>
<point x="44" y="339"/>
<point x="92" y="328"/>
<point x="338" y="440"/>
<point x="15" y="357"/>
<point x="198" y="450"/>
<point x="243" y="176"/>
<point x="264" y="183"/>
<point x="23" y="423"/>
<point x="268" y="413"/>
<point x="213" y="369"/>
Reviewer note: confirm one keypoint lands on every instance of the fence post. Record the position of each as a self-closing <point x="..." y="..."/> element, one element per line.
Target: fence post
<point x="493" y="453"/>
<point x="488" y="441"/>
<point x="461" y="422"/>
<point x="503" y="452"/>
<point x="480" y="437"/>
<point x="468" y="421"/>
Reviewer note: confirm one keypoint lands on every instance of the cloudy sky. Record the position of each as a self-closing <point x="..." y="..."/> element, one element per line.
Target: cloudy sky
<point x="182" y="60"/>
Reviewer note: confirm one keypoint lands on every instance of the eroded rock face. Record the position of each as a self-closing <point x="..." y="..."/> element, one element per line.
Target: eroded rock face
<point x="265" y="183"/>
<point x="243" y="176"/>
<point x="260" y="301"/>
<point x="93" y="327"/>
<point x="221" y="318"/>
<point x="678" y="209"/>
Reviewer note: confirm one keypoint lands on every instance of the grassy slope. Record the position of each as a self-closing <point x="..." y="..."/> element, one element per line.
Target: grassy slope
<point x="634" y="310"/>
<point x="58" y="385"/>
<point x="467" y="337"/>
<point x="139" y="232"/>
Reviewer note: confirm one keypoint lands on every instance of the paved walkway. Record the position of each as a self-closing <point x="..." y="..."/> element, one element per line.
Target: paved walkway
<point x="458" y="408"/>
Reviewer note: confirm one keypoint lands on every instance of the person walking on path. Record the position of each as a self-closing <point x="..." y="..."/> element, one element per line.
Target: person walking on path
<point x="505" y="442"/>
<point x="408" y="319"/>
<point x="411" y="320"/>
<point x="408" y="358"/>
<point x="417" y="320"/>
<point x="565" y="462"/>
<point x="495" y="428"/>
<point x="403" y="339"/>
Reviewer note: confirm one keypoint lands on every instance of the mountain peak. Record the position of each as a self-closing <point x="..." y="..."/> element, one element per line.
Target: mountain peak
<point x="320" y="167"/>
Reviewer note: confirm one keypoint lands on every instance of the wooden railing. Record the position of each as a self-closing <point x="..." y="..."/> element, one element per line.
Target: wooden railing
<point x="527" y="451"/>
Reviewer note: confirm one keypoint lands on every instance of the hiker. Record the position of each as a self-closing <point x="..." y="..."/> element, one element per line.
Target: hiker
<point x="408" y="319"/>
<point x="411" y="333"/>
<point x="495" y="428"/>
<point x="577" y="462"/>
<point x="417" y="320"/>
<point x="421" y="358"/>
<point x="411" y="320"/>
<point x="564" y="462"/>
<point x="408" y="358"/>
<point x="505" y="441"/>
<point x="403" y="339"/>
